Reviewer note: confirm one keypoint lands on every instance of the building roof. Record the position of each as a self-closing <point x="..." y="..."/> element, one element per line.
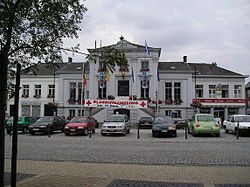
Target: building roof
<point x="174" y="66"/>
<point x="47" y="69"/>
<point x="211" y="69"/>
<point x="247" y="85"/>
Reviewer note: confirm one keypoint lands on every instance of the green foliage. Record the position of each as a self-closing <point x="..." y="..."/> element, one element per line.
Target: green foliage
<point x="36" y="28"/>
<point x="108" y="58"/>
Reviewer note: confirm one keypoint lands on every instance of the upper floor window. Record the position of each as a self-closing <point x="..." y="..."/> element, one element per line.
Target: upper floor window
<point x="212" y="91"/>
<point x="237" y="91"/>
<point x="177" y="91"/>
<point x="25" y="91"/>
<point x="38" y="90"/>
<point x="51" y="90"/>
<point x="144" y="65"/>
<point x="199" y="91"/>
<point x="72" y="90"/>
<point x="224" y="90"/>
<point x="80" y="92"/>
<point x="168" y="90"/>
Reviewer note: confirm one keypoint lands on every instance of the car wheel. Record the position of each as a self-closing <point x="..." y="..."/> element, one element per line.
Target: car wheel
<point x="154" y="134"/>
<point x="217" y="135"/>
<point x="32" y="133"/>
<point x="93" y="131"/>
<point x="175" y="134"/>
<point x="85" y="132"/>
<point x="24" y="131"/>
<point x="103" y="134"/>
<point x="128" y="130"/>
<point x="8" y="131"/>
<point x="226" y="131"/>
<point x="67" y="134"/>
<point x="189" y="131"/>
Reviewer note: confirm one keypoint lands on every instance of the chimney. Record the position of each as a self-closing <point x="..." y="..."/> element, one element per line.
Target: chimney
<point x="185" y="59"/>
<point x="70" y="59"/>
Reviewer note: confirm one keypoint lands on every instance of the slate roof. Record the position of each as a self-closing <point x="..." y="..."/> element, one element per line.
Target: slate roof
<point x="211" y="69"/>
<point x="46" y="69"/>
<point x="174" y="66"/>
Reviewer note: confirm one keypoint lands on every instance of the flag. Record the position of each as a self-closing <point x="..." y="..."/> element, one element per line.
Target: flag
<point x="146" y="48"/>
<point x="107" y="74"/>
<point x="133" y="76"/>
<point x="84" y="79"/>
<point x="157" y="73"/>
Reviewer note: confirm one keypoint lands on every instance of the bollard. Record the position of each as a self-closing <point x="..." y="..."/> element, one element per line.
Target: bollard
<point x="237" y="131"/>
<point x="186" y="126"/>
<point x="138" y="131"/>
<point x="49" y="130"/>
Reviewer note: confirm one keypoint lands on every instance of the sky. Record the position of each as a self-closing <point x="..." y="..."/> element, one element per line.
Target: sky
<point x="205" y="31"/>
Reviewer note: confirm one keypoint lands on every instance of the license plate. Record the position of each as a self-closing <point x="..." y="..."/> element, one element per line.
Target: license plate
<point x="164" y="131"/>
<point x="72" y="130"/>
<point x="35" y="129"/>
<point x="111" y="130"/>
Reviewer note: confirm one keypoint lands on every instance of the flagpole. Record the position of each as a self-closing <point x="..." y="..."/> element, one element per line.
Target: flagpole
<point x="82" y="89"/>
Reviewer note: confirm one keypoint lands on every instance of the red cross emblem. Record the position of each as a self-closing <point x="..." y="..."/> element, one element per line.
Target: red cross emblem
<point x="88" y="102"/>
<point x="142" y="104"/>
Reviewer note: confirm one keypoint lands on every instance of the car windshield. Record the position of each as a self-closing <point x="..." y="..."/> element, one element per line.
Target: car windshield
<point x="116" y="118"/>
<point x="46" y="119"/>
<point x="161" y="120"/>
<point x="205" y="118"/>
<point x="146" y="120"/>
<point x="79" y="120"/>
<point x="242" y="118"/>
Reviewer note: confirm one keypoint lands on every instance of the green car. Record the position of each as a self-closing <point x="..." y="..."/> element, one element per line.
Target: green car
<point x="23" y="124"/>
<point x="203" y="124"/>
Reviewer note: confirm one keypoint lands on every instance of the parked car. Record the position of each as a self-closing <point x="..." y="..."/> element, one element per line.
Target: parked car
<point x="46" y="124"/>
<point x="180" y="123"/>
<point x="145" y="122"/>
<point x="203" y="124"/>
<point x="116" y="124"/>
<point x="96" y="123"/>
<point x="232" y="124"/>
<point x="22" y="124"/>
<point x="163" y="126"/>
<point x="80" y="125"/>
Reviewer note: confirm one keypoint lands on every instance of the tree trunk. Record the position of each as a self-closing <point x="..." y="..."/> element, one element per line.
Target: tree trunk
<point x="3" y="106"/>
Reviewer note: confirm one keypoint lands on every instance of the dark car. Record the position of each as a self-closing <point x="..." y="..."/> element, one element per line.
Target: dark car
<point x="180" y="123"/>
<point x="145" y="122"/>
<point x="96" y="123"/>
<point x="46" y="124"/>
<point x="80" y="125"/>
<point x="163" y="126"/>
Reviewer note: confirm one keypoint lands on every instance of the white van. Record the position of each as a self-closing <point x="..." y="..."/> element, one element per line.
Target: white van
<point x="233" y="120"/>
<point x="116" y="124"/>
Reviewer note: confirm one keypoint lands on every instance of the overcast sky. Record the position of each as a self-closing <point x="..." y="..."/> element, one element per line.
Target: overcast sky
<point x="204" y="30"/>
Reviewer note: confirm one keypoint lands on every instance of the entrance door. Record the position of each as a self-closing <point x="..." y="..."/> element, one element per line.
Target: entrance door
<point x="219" y="113"/>
<point x="123" y="88"/>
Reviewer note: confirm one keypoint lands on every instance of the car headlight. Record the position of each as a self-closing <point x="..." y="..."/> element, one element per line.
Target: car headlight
<point x="172" y="127"/>
<point x="80" y="127"/>
<point x="120" y="126"/>
<point x="66" y="127"/>
<point x="43" y="126"/>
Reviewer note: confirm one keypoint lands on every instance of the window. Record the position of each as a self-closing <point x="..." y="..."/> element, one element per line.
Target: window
<point x="145" y="89"/>
<point x="36" y="110"/>
<point x="25" y="110"/>
<point x="72" y="90"/>
<point x="80" y="93"/>
<point x="168" y="90"/>
<point x="51" y="90"/>
<point x="199" y="91"/>
<point x="144" y="65"/>
<point x="80" y="112"/>
<point x="212" y="91"/>
<point x="123" y="88"/>
<point x="224" y="90"/>
<point x="102" y="90"/>
<point x="176" y="114"/>
<point x="25" y="91"/>
<point x="237" y="91"/>
<point x="38" y="90"/>
<point x="248" y="93"/>
<point x="168" y="112"/>
<point x="177" y="91"/>
<point x="72" y="113"/>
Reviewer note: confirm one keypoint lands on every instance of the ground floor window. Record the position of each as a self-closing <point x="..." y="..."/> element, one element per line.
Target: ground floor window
<point x="25" y="110"/>
<point x="72" y="113"/>
<point x="173" y="113"/>
<point x="36" y="110"/>
<point x="233" y="111"/>
<point x="31" y="110"/>
<point x="205" y="110"/>
<point x="80" y="112"/>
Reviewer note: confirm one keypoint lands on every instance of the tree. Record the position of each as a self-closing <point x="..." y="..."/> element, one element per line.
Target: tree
<point x="33" y="29"/>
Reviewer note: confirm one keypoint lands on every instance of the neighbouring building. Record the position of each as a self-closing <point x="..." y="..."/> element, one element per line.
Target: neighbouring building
<point x="247" y="98"/>
<point x="171" y="88"/>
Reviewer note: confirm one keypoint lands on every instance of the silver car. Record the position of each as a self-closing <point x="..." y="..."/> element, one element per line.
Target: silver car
<point x="116" y="124"/>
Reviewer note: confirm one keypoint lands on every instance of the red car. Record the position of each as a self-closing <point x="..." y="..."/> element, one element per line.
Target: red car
<point x="80" y="125"/>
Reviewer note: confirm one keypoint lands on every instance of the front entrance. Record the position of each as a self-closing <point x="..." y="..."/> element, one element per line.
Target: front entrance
<point x="123" y="88"/>
<point x="122" y="111"/>
<point x="49" y="110"/>
<point x="219" y="113"/>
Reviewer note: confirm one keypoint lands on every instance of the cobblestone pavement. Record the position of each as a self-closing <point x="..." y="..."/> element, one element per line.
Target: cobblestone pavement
<point x="203" y="151"/>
